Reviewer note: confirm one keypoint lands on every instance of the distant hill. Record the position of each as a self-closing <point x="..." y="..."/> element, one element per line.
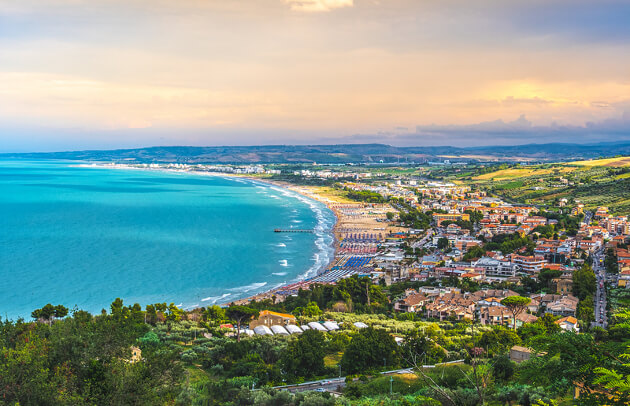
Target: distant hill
<point x="342" y="153"/>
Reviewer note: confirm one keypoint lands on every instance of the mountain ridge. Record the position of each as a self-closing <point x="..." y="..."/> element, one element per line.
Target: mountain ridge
<point x="339" y="153"/>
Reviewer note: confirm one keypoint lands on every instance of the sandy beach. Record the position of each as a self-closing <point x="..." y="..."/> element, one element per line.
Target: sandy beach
<point x="351" y="218"/>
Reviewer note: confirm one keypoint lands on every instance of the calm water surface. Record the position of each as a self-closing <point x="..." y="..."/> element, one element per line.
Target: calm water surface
<point x="84" y="236"/>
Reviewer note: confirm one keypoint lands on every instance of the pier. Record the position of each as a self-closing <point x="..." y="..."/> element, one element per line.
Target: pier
<point x="292" y="230"/>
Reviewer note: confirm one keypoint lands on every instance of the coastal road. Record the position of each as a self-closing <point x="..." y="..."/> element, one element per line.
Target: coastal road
<point x="600" y="296"/>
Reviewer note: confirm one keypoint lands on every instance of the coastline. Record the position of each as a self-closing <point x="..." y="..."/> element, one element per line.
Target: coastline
<point x="302" y="191"/>
<point x="269" y="294"/>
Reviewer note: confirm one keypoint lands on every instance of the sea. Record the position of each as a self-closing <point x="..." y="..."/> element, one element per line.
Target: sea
<point x="82" y="236"/>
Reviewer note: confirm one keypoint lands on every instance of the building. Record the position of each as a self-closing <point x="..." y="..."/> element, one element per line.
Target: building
<point x="269" y="318"/>
<point x="565" y="306"/>
<point x="529" y="264"/>
<point x="411" y="303"/>
<point x="494" y="268"/>
<point x="520" y="354"/>
<point x="439" y="217"/>
<point x="569" y="323"/>
<point x="564" y="285"/>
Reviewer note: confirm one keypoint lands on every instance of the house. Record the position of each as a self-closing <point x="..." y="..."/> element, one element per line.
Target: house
<point x="411" y="303"/>
<point x="136" y="354"/>
<point x="494" y="268"/>
<point x="494" y="315"/>
<point x="563" y="285"/>
<point x="520" y="354"/>
<point x="569" y="323"/>
<point x="269" y="318"/>
<point x="529" y="264"/>
<point x="565" y="306"/>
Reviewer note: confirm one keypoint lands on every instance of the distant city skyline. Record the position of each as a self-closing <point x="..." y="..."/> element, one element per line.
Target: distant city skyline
<point x="119" y="74"/>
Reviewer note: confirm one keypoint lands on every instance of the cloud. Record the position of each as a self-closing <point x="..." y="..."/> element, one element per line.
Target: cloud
<point x="318" y="5"/>
<point x="519" y="131"/>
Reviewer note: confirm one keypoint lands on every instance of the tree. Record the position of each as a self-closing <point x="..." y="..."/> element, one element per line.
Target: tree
<point x="304" y="356"/>
<point x="442" y="243"/>
<point x="516" y="305"/>
<point x="584" y="282"/>
<point x="390" y="215"/>
<point x="50" y="312"/>
<point x="617" y="380"/>
<point x="546" y="276"/>
<point x="474" y="252"/>
<point x="215" y="313"/>
<point x="586" y="310"/>
<point x="312" y="309"/>
<point x="419" y="348"/>
<point x="240" y="314"/>
<point x="60" y="311"/>
<point x="503" y="368"/>
<point x="499" y="339"/>
<point x="370" y="348"/>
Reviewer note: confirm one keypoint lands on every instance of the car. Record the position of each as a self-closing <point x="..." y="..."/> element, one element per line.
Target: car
<point x="320" y="390"/>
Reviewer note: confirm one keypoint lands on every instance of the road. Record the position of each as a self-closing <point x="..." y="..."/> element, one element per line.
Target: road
<point x="601" y="319"/>
<point x="427" y="237"/>
<point x="337" y="384"/>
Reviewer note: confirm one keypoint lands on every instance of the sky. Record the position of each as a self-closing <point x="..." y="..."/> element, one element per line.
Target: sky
<point x="92" y="74"/>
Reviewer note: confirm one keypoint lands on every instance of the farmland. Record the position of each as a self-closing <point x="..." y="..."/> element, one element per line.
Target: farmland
<point x="603" y="182"/>
<point x="616" y="162"/>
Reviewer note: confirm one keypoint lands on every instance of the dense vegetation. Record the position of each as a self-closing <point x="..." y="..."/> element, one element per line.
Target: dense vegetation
<point x="189" y="358"/>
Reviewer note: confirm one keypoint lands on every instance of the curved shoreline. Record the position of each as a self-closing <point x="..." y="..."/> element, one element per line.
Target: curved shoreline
<point x="268" y="294"/>
<point x="301" y="277"/>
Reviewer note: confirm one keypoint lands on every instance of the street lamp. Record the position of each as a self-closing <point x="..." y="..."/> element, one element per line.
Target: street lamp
<point x="391" y="385"/>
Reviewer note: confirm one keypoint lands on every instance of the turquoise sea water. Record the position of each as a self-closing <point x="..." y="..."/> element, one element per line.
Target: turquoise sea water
<point x="84" y="236"/>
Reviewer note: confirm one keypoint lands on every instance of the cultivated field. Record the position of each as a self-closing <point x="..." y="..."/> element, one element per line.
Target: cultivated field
<point x="513" y="173"/>
<point x="617" y="162"/>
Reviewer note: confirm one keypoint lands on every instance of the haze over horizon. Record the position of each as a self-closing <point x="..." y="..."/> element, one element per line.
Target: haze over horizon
<point x="98" y="74"/>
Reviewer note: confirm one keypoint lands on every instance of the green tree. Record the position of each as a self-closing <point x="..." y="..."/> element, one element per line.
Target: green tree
<point x="369" y="349"/>
<point x="215" y="313"/>
<point x="311" y="310"/>
<point x="503" y="368"/>
<point x="584" y="282"/>
<point x="304" y="356"/>
<point x="50" y="312"/>
<point x="516" y="305"/>
<point x="240" y="314"/>
<point x="442" y="243"/>
<point x="499" y="339"/>
<point x="419" y="349"/>
<point x="474" y="252"/>
<point x="545" y="276"/>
